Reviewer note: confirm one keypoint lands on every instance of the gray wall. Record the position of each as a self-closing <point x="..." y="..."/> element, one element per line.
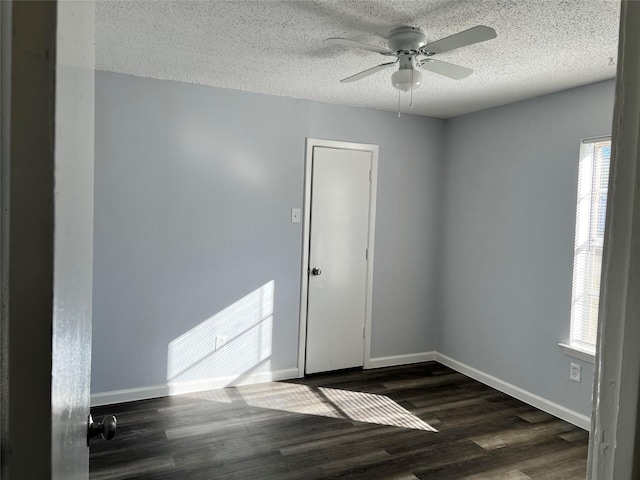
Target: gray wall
<point x="474" y="238"/>
<point x="510" y="181"/>
<point x="193" y="191"/>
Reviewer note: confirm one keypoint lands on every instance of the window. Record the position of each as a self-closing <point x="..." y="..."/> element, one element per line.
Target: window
<point x="593" y="181"/>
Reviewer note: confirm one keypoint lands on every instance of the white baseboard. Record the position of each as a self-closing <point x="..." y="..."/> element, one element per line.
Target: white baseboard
<point x="395" y="360"/>
<point x="532" y="399"/>
<point x="144" y="393"/>
<point x="128" y="395"/>
<point x="566" y="414"/>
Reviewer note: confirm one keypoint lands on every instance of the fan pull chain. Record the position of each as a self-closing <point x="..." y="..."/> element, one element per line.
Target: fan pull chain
<point x="398" y="103"/>
<point x="411" y="98"/>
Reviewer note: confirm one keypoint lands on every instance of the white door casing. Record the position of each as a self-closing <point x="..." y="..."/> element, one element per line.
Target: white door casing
<point x="614" y="443"/>
<point x="339" y="226"/>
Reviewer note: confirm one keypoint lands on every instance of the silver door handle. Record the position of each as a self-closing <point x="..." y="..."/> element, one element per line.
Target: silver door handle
<point x="316" y="271"/>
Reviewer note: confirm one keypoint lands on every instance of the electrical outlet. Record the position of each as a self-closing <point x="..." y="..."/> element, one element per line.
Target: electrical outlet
<point x="221" y="341"/>
<point x="575" y="372"/>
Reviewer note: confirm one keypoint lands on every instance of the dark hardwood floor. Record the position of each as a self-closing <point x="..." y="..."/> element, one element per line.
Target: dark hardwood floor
<point x="421" y="421"/>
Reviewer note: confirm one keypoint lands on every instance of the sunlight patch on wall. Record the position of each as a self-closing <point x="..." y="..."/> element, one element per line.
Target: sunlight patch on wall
<point x="218" y="352"/>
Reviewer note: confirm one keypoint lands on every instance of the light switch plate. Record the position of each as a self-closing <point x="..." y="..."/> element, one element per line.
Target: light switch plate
<point x="295" y="215"/>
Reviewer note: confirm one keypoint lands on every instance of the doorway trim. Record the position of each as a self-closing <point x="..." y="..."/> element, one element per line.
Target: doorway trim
<point x="311" y="143"/>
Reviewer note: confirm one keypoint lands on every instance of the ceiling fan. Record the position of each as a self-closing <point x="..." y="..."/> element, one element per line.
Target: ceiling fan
<point x="409" y="45"/>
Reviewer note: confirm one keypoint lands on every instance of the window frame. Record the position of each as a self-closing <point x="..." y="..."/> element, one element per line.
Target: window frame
<point x="579" y="345"/>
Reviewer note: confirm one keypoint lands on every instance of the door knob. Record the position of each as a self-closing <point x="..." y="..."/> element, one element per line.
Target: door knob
<point x="316" y="271"/>
<point x="106" y="428"/>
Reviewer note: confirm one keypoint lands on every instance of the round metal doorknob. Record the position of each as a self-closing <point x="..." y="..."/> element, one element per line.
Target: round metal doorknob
<point x="106" y="428"/>
<point x="316" y="271"/>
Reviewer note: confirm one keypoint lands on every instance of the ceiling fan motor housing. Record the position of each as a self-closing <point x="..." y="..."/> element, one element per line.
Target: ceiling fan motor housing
<point x="408" y="39"/>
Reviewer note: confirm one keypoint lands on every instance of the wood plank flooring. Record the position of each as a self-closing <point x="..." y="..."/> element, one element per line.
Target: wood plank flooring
<point x="422" y="421"/>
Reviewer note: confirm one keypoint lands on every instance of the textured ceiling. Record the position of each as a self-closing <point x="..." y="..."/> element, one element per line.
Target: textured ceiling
<point x="276" y="47"/>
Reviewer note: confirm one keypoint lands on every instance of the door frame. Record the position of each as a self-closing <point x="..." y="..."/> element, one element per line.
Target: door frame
<point x="615" y="407"/>
<point x="311" y="143"/>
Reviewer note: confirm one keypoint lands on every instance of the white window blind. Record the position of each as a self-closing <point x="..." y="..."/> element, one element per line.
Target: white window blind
<point x="593" y="180"/>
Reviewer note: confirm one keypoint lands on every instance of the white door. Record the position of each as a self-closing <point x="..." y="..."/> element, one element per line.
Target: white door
<point x="47" y="236"/>
<point x="338" y="264"/>
<point x="73" y="238"/>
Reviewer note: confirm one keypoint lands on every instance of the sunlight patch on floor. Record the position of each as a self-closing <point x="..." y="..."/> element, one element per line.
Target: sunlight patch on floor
<point x="333" y="403"/>
<point x="370" y="408"/>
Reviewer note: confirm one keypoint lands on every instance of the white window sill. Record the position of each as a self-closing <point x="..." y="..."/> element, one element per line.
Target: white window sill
<point x="579" y="353"/>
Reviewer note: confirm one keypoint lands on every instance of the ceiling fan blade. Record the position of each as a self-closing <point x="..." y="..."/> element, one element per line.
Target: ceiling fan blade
<point x="447" y="69"/>
<point x="477" y="34"/>
<point x="367" y="72"/>
<point x="345" y="42"/>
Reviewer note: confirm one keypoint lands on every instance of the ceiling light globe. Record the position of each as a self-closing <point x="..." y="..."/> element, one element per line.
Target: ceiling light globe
<point x="405" y="78"/>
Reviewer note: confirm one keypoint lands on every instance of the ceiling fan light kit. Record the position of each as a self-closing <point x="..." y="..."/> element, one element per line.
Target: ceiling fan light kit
<point x="406" y="79"/>
<point x="409" y="46"/>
